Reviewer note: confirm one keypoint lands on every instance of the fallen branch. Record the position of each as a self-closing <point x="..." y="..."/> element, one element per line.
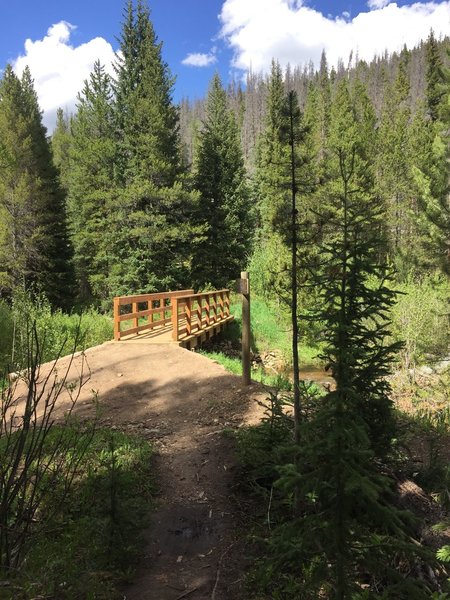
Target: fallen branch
<point x="213" y="595"/>
<point x="186" y="593"/>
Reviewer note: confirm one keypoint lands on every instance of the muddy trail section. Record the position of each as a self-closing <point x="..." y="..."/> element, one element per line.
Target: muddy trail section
<point x="181" y="402"/>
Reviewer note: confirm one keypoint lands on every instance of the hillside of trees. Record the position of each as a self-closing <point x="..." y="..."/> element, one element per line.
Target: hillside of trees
<point x="331" y="187"/>
<point x="132" y="193"/>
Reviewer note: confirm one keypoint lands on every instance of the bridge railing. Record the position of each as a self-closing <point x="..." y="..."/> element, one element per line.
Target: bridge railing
<point x="194" y="313"/>
<point x="154" y="309"/>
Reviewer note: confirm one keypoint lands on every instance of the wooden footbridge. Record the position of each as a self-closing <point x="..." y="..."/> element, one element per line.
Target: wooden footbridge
<point x="183" y="317"/>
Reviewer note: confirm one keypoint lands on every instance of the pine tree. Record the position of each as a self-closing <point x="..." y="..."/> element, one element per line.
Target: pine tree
<point x="271" y="260"/>
<point x="34" y="250"/>
<point x="434" y="90"/>
<point x="226" y="212"/>
<point x="349" y="531"/>
<point x="148" y="127"/>
<point x="90" y="203"/>
<point x="60" y="144"/>
<point x="394" y="174"/>
<point x="153" y="230"/>
<point x="429" y="172"/>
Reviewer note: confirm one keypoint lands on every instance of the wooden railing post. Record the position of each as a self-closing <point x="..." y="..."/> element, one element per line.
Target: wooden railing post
<point x="134" y="309"/>
<point x="227" y="303"/>
<point x="214" y="306"/>
<point x="188" y="316"/>
<point x="116" y="313"/>
<point x="208" y="309"/>
<point x="175" y="325"/>
<point x="199" y="312"/>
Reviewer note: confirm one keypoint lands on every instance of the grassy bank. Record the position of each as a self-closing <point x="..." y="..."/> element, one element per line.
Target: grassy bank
<point x="86" y="541"/>
<point x="59" y="333"/>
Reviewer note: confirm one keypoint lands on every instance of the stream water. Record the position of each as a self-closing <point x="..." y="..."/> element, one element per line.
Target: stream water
<point x="313" y="373"/>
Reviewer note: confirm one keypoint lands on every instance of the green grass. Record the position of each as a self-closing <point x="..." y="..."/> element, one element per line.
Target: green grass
<point x="59" y="333"/>
<point x="270" y="332"/>
<point x="234" y="365"/>
<point x="269" y="326"/>
<point x="88" y="542"/>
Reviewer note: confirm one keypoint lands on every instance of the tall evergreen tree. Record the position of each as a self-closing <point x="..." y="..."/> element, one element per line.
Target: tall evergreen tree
<point x="434" y="91"/>
<point x="271" y="261"/>
<point x="349" y="530"/>
<point x="90" y="202"/>
<point x="34" y="249"/>
<point x="394" y="174"/>
<point x="148" y="122"/>
<point x="60" y="143"/>
<point x="153" y="231"/>
<point x="225" y="210"/>
<point x="430" y="170"/>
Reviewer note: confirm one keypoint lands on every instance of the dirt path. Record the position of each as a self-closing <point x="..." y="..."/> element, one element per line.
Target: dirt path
<point x="182" y="402"/>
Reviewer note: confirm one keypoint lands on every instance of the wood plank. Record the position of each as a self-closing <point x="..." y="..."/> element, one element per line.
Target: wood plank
<point x="204" y="294"/>
<point x="146" y="327"/>
<point x="144" y="313"/>
<point x="123" y="300"/>
<point x="216" y="327"/>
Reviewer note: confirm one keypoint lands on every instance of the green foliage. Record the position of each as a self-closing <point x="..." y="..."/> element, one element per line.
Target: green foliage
<point x="346" y="538"/>
<point x="60" y="143"/>
<point x="59" y="332"/>
<point x="444" y="554"/>
<point x="434" y="91"/>
<point x="90" y="538"/>
<point x="152" y="227"/>
<point x="34" y="248"/>
<point x="420" y="319"/>
<point x="91" y="196"/>
<point x="278" y="162"/>
<point x="270" y="331"/>
<point x="260" y="448"/>
<point x="146" y="119"/>
<point x="6" y="334"/>
<point x="234" y="365"/>
<point x="225" y="211"/>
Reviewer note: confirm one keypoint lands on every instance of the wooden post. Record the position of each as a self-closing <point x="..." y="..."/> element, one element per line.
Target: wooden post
<point x="174" y="303"/>
<point x="134" y="309"/>
<point x="245" y="328"/>
<point x="116" y="319"/>
<point x="188" y="311"/>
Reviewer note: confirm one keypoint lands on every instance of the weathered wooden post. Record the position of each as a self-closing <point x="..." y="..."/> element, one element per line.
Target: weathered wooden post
<point x="245" y="291"/>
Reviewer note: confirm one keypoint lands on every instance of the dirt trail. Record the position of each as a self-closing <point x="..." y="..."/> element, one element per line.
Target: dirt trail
<point x="181" y="401"/>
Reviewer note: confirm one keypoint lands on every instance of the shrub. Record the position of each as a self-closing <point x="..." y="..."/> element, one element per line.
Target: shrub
<point x="421" y="319"/>
<point x="58" y="332"/>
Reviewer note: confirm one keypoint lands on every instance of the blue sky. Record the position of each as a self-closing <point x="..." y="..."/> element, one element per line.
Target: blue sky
<point x="201" y="36"/>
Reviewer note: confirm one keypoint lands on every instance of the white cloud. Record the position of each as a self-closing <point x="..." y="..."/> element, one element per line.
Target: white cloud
<point x="59" y="69"/>
<point x="199" y="59"/>
<point x="259" y="30"/>
<point x="377" y="3"/>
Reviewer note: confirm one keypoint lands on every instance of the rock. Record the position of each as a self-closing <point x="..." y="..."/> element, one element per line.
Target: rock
<point x="425" y="370"/>
<point x="442" y="366"/>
